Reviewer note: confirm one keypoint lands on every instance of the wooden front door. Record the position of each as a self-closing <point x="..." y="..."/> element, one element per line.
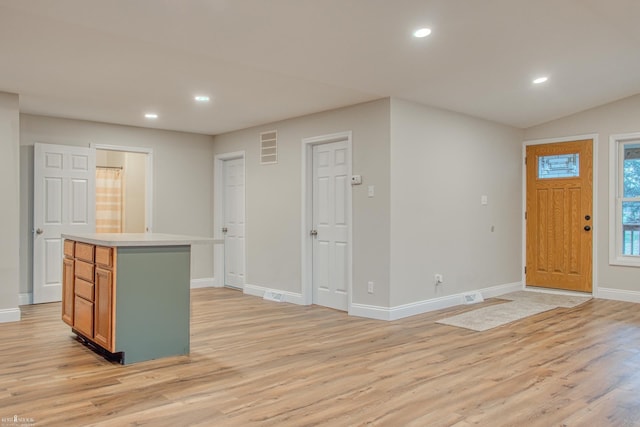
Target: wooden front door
<point x="560" y="215"/>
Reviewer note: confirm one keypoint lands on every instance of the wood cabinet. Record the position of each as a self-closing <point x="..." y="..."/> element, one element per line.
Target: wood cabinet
<point x="103" y="303"/>
<point x="88" y="282"/>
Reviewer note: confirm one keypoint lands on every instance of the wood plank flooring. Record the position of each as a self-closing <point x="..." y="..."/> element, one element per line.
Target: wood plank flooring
<point x="256" y="362"/>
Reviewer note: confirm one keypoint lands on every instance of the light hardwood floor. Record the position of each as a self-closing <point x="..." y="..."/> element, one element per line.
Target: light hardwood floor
<point x="255" y="362"/>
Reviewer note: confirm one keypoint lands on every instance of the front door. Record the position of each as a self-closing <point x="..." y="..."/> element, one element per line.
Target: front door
<point x="331" y="225"/>
<point x="63" y="202"/>
<point x="559" y="215"/>
<point x="233" y="224"/>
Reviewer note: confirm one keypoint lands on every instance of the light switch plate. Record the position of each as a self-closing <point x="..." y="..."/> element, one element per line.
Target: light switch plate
<point x="371" y="191"/>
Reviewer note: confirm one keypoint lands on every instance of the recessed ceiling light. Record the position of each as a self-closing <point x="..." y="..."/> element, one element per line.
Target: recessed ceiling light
<point x="201" y="98"/>
<point x="422" y="32"/>
<point x="151" y="116"/>
<point x="540" y="80"/>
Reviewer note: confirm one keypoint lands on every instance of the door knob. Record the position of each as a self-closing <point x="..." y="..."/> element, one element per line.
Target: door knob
<point x="39" y="231"/>
<point x="225" y="229"/>
<point x="587" y="217"/>
<point x="314" y="232"/>
<point x="587" y="228"/>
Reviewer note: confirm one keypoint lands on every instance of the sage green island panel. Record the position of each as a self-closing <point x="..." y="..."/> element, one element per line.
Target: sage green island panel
<point x="152" y="302"/>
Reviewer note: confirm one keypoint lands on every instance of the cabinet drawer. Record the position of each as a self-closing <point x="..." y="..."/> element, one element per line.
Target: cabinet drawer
<point x="84" y="271"/>
<point x="69" y="246"/>
<point x="84" y="289"/>
<point x="84" y="251"/>
<point x="104" y="256"/>
<point x="83" y="317"/>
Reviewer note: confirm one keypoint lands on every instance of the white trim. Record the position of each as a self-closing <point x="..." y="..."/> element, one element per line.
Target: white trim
<point x="615" y="176"/>
<point x="148" y="178"/>
<point x="306" y="253"/>
<point x="495" y="291"/>
<point x="25" y="298"/>
<point x="10" y="315"/>
<point x="205" y="282"/>
<point x="421" y="307"/>
<point x="259" y="291"/>
<point x="218" y="212"/>
<point x="594" y="198"/>
<point x="619" y="295"/>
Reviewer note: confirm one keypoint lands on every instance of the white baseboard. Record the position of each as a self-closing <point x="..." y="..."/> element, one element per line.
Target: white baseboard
<point x="217" y="283"/>
<point x="420" y="307"/>
<point x="496" y="291"/>
<point x="25" y="299"/>
<point x="370" y="311"/>
<point x="619" y="295"/>
<point x="10" y="315"/>
<point x="259" y="291"/>
<point x="206" y="282"/>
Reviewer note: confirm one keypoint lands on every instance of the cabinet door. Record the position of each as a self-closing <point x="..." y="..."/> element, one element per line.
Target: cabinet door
<point x="103" y="315"/>
<point x="83" y="317"/>
<point x="67" y="290"/>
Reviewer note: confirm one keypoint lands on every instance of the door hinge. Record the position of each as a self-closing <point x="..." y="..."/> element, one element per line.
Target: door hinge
<point x="525" y="160"/>
<point x="525" y="215"/>
<point x="525" y="269"/>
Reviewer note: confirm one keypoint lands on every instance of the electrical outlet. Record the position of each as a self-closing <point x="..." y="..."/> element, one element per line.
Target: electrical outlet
<point x="438" y="279"/>
<point x="370" y="287"/>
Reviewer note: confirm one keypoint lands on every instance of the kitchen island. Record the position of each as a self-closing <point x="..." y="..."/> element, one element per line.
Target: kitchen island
<point x="126" y="295"/>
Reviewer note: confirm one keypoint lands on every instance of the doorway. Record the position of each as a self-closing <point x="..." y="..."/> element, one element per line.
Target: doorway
<point x="327" y="217"/>
<point x="120" y="192"/>
<point x="64" y="201"/>
<point x="124" y="189"/>
<point x="559" y="215"/>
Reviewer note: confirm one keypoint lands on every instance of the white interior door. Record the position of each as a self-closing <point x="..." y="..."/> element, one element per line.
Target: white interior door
<point x="233" y="225"/>
<point x="330" y="218"/>
<point x="63" y="202"/>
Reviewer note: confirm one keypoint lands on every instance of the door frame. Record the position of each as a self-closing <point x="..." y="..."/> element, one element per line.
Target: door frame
<point x="306" y="246"/>
<point x="148" y="203"/>
<point x="597" y="222"/>
<point x="218" y="214"/>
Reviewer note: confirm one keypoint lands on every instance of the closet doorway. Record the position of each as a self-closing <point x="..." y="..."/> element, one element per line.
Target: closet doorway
<point x="123" y="190"/>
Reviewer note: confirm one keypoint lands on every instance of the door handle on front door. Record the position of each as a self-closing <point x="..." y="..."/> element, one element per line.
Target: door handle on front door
<point x="225" y="229"/>
<point x="39" y="231"/>
<point x="587" y="228"/>
<point x="314" y="233"/>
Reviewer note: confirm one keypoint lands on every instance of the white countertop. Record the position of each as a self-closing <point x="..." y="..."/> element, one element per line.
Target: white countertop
<point x="136" y="239"/>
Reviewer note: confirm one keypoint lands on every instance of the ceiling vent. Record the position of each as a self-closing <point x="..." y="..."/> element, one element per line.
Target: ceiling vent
<point x="269" y="147"/>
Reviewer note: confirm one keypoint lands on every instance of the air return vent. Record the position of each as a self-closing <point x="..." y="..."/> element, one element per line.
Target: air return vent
<point x="269" y="147"/>
<point x="472" y="297"/>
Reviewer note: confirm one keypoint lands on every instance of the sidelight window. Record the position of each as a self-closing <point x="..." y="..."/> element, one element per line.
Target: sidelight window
<point x="625" y="177"/>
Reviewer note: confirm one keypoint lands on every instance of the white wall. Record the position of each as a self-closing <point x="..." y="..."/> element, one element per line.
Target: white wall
<point x="182" y="180"/>
<point x="441" y="164"/>
<point x="9" y="193"/>
<point x="622" y="116"/>
<point x="273" y="198"/>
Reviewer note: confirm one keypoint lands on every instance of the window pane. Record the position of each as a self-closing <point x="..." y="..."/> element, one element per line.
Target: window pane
<point x="631" y="213"/>
<point x="560" y="166"/>
<point x="631" y="172"/>
<point x="630" y="228"/>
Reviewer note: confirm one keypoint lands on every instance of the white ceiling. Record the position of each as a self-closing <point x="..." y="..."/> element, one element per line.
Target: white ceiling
<point x="266" y="60"/>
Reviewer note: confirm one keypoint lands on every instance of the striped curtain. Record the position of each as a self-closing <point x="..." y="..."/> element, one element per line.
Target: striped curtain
<point x="108" y="200"/>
